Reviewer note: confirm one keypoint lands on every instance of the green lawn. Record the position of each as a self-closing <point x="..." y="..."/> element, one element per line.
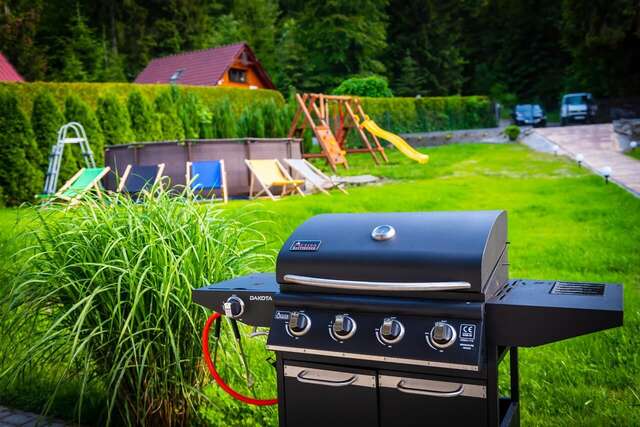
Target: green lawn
<point x="564" y="223"/>
<point x="634" y="153"/>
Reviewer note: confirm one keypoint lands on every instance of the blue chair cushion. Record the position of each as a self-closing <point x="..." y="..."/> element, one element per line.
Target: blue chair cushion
<point x="207" y="174"/>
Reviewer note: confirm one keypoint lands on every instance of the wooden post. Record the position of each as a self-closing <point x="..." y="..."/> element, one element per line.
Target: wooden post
<point x="363" y="135"/>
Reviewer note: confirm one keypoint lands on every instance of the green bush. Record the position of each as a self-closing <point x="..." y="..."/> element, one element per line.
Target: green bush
<point x="172" y="128"/>
<point x="46" y="120"/>
<point x="76" y="110"/>
<point x="223" y="122"/>
<point x="20" y="178"/>
<point x="144" y="122"/>
<point x="371" y="86"/>
<point x="430" y="113"/>
<point x="512" y="132"/>
<point x="189" y="111"/>
<point x="109" y="286"/>
<point x="114" y="121"/>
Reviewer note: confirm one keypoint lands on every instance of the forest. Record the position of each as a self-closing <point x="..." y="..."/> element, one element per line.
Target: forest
<point x="526" y="49"/>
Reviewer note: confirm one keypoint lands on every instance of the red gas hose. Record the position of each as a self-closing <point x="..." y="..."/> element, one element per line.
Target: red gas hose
<point x="216" y="376"/>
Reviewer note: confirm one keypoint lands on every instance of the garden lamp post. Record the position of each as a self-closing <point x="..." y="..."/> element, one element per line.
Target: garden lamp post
<point x="580" y="159"/>
<point x="556" y="150"/>
<point x="606" y="173"/>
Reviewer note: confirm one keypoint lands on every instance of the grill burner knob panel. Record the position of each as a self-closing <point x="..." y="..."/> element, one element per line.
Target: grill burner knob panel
<point x="443" y="335"/>
<point x="299" y="324"/>
<point x="343" y="327"/>
<point x="233" y="307"/>
<point x="391" y="331"/>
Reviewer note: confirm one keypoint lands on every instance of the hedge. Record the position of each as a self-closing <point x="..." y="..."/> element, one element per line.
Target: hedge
<point x="116" y="113"/>
<point x="404" y="115"/>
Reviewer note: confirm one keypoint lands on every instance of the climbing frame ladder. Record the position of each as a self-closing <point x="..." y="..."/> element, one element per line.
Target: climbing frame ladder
<point x="71" y="133"/>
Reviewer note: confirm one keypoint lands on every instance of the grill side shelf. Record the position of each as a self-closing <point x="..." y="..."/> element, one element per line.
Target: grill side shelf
<point x="528" y="313"/>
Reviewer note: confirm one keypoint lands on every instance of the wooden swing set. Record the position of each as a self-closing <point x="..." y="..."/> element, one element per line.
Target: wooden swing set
<point x="331" y="117"/>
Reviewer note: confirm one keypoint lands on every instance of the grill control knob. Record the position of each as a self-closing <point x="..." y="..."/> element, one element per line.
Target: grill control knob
<point x="233" y="307"/>
<point x="299" y="323"/>
<point x="391" y="331"/>
<point x="344" y="327"/>
<point x="443" y="335"/>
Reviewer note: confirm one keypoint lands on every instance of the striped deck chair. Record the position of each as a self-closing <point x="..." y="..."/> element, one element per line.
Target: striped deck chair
<point x="139" y="178"/>
<point x="270" y="173"/>
<point x="206" y="177"/>
<point x="314" y="176"/>
<point x="84" y="180"/>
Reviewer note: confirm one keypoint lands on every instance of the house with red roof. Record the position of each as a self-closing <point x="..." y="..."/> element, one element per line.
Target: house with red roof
<point x="7" y="72"/>
<point x="233" y="65"/>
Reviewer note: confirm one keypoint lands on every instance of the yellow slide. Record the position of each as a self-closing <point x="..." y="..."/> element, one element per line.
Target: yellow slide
<point x="400" y="143"/>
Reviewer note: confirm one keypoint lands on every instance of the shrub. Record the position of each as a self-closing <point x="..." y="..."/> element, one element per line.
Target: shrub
<point x="20" y="179"/>
<point x="110" y="286"/>
<point x="371" y="86"/>
<point x="114" y="120"/>
<point x="144" y="123"/>
<point x="512" y="132"/>
<point x="223" y="123"/>
<point x="76" y="110"/>
<point x="189" y="110"/>
<point x="273" y="126"/>
<point x="46" y="120"/>
<point x="170" y="123"/>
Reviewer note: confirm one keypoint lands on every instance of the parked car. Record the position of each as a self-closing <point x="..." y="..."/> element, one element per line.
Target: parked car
<point x="577" y="107"/>
<point x="529" y="115"/>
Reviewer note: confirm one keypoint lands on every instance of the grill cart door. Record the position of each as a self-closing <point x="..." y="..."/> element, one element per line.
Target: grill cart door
<point x="328" y="396"/>
<point x="418" y="401"/>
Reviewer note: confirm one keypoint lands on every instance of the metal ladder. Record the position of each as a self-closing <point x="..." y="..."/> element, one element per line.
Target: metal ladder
<point x="64" y="137"/>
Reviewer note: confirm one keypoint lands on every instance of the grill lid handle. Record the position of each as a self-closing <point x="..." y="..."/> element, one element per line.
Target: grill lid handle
<point x="375" y="286"/>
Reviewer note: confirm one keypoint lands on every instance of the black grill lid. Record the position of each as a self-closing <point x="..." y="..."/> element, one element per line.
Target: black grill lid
<point x="454" y="250"/>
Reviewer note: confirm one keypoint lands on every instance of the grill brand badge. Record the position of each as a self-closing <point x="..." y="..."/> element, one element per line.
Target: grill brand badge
<point x="305" y="246"/>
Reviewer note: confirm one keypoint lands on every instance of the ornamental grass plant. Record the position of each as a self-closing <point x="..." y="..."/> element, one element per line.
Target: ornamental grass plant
<point x="105" y="296"/>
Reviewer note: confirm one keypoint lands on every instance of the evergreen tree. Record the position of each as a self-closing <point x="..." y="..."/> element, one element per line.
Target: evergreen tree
<point x="83" y="54"/>
<point x="76" y="110"/>
<point x="409" y="81"/>
<point x="341" y="39"/>
<point x="223" y="122"/>
<point x="144" y="123"/>
<point x="46" y="120"/>
<point x="20" y="178"/>
<point x="190" y="110"/>
<point x="258" y="25"/>
<point x="431" y="31"/>
<point x="114" y="120"/>
<point x="166" y="109"/>
<point x="292" y="69"/>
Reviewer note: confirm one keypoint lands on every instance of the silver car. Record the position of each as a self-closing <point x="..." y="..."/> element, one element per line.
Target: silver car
<point x="577" y="108"/>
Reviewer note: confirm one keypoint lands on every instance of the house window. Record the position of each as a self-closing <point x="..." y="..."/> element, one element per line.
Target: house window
<point x="238" y="76"/>
<point x="176" y="76"/>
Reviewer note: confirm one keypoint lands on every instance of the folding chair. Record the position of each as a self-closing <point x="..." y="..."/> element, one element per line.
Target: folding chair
<point x="314" y="176"/>
<point x="207" y="176"/>
<point x="139" y="178"/>
<point x="84" y="180"/>
<point x="270" y="173"/>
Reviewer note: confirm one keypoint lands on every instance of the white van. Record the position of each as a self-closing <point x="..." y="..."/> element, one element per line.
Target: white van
<point x="577" y="107"/>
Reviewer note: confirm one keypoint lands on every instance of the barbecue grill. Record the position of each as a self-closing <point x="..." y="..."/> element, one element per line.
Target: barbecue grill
<point x="402" y="319"/>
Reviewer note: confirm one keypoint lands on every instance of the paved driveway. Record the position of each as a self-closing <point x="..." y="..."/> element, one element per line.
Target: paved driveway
<point x="599" y="148"/>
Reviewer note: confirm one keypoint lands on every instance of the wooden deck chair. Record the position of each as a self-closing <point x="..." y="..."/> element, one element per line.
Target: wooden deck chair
<point x="270" y="173"/>
<point x="138" y="178"/>
<point x="84" y="180"/>
<point x="206" y="177"/>
<point x="314" y="176"/>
